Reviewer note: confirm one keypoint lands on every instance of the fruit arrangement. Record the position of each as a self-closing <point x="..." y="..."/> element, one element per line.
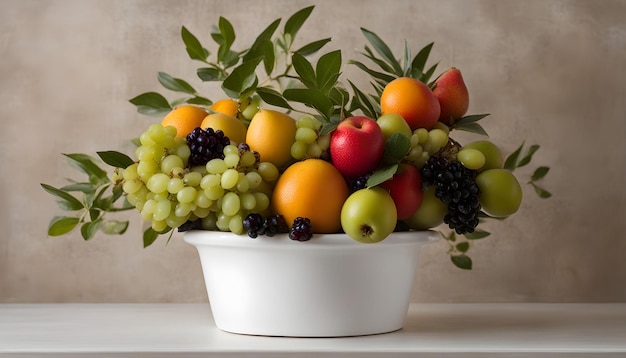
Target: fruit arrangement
<point x="295" y="151"/>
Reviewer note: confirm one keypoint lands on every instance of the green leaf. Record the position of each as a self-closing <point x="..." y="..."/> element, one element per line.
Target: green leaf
<point x="305" y="70"/>
<point x="209" y="74"/>
<point x="312" y="47"/>
<point x="511" y="161"/>
<point x="363" y="102"/>
<point x="88" y="230"/>
<point x="327" y="128"/>
<point x="114" y="227"/>
<point x="86" y="164"/>
<point x="311" y="98"/>
<point x="471" y="119"/>
<point x="151" y="104"/>
<point x="272" y="97"/>
<point x="451" y="237"/>
<point x="396" y="148"/>
<point x="383" y="50"/>
<point x="472" y="128"/>
<point x="327" y="70"/>
<point x="406" y="69"/>
<point x="175" y="84"/>
<point x="82" y="187"/>
<point x="543" y="193"/>
<point x="201" y="101"/>
<point x="419" y="61"/>
<point x="382" y="175"/>
<point x="477" y="234"/>
<point x="426" y="76"/>
<point x="193" y="46"/>
<point x="529" y="156"/>
<point x="540" y="173"/>
<point x="67" y="201"/>
<point x="462" y="261"/>
<point x="241" y="79"/>
<point x="381" y="63"/>
<point x="149" y="236"/>
<point x="269" y="56"/>
<point x="256" y="48"/>
<point x="228" y="36"/>
<point x="295" y="22"/>
<point x="115" y="159"/>
<point x="463" y="246"/>
<point x="61" y="225"/>
<point x="375" y="74"/>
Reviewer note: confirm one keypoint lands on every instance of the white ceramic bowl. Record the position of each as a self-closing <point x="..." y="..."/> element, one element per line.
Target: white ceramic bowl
<point x="329" y="286"/>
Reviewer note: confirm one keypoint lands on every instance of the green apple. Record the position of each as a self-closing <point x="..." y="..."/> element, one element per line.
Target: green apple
<point x="393" y="123"/>
<point x="369" y="215"/>
<point x="493" y="155"/>
<point x="500" y="192"/>
<point x="429" y="214"/>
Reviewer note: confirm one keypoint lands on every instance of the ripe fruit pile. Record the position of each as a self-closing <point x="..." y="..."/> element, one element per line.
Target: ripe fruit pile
<point x="298" y="153"/>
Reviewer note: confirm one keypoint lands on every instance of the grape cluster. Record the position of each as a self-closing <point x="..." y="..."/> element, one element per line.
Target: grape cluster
<point x="170" y="191"/>
<point x="425" y="143"/>
<point x="256" y="225"/>
<point x="301" y="230"/>
<point x="308" y="143"/>
<point x="456" y="187"/>
<point x="205" y="145"/>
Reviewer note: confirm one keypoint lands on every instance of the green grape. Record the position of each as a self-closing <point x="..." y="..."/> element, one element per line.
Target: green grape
<point x="158" y="183"/>
<point x="247" y="159"/>
<point x="210" y="180"/>
<point x="262" y="201"/>
<point x="248" y="201"/>
<point x="177" y="172"/>
<point x="183" y="209"/>
<point x="437" y="139"/>
<point x="183" y="152"/>
<point x="324" y="141"/>
<point x="230" y="149"/>
<point x="186" y="195"/>
<point x="222" y="222"/>
<point x="471" y="158"/>
<point x="201" y="212"/>
<point x="422" y="135"/>
<point x="157" y="133"/>
<point x="229" y="178"/>
<point x="216" y="166"/>
<point x="214" y="192"/>
<point x="170" y="162"/>
<point x="146" y="152"/>
<point x="314" y="151"/>
<point x="161" y="196"/>
<point x="442" y="126"/>
<point x="175" y="185"/>
<point x="231" y="160"/>
<point x="146" y="169"/>
<point x="235" y="224"/>
<point x="174" y="221"/>
<point x="170" y="131"/>
<point x="170" y="144"/>
<point x="192" y="179"/>
<point x="202" y="201"/>
<point x="242" y="184"/>
<point x="307" y="122"/>
<point x="130" y="173"/>
<point x="209" y="222"/>
<point x="199" y="169"/>
<point x="145" y="139"/>
<point x="132" y="186"/>
<point x="162" y="210"/>
<point x="230" y="203"/>
<point x="147" y="212"/>
<point x="414" y="153"/>
<point x="268" y="171"/>
<point x="306" y="135"/>
<point x="254" y="179"/>
<point x="159" y="226"/>
<point x="298" y="149"/>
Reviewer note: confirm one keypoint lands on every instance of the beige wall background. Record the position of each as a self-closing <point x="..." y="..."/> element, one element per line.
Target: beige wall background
<point x="549" y="72"/>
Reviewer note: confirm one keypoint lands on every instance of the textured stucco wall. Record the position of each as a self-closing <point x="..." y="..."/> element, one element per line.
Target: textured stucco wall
<point x="550" y="72"/>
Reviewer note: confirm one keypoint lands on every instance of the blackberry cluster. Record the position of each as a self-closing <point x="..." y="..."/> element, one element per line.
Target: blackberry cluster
<point x="455" y="187"/>
<point x="358" y="183"/>
<point x="301" y="230"/>
<point x="206" y="145"/>
<point x="255" y="225"/>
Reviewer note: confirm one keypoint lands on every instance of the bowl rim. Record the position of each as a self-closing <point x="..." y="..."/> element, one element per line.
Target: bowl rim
<point x="319" y="241"/>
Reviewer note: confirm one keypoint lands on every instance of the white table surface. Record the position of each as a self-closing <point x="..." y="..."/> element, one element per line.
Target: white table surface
<point x="431" y="330"/>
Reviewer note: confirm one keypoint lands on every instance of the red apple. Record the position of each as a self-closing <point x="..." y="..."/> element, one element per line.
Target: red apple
<point x="452" y="94"/>
<point x="405" y="189"/>
<point x="357" y="146"/>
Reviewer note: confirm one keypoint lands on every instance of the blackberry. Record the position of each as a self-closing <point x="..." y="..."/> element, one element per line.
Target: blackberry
<point x="301" y="230"/>
<point x="190" y="225"/>
<point x="253" y="223"/>
<point x="206" y="145"/>
<point x="274" y="224"/>
<point x="456" y="187"/>
<point x="359" y="183"/>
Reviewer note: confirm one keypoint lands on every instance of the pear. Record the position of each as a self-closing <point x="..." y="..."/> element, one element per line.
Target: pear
<point x="452" y="94"/>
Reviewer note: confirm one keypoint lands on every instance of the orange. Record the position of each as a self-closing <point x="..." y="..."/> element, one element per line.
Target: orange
<point x="184" y="118"/>
<point x="271" y="134"/>
<point x="226" y="106"/>
<point x="232" y="127"/>
<point x="312" y="189"/>
<point x="413" y="100"/>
